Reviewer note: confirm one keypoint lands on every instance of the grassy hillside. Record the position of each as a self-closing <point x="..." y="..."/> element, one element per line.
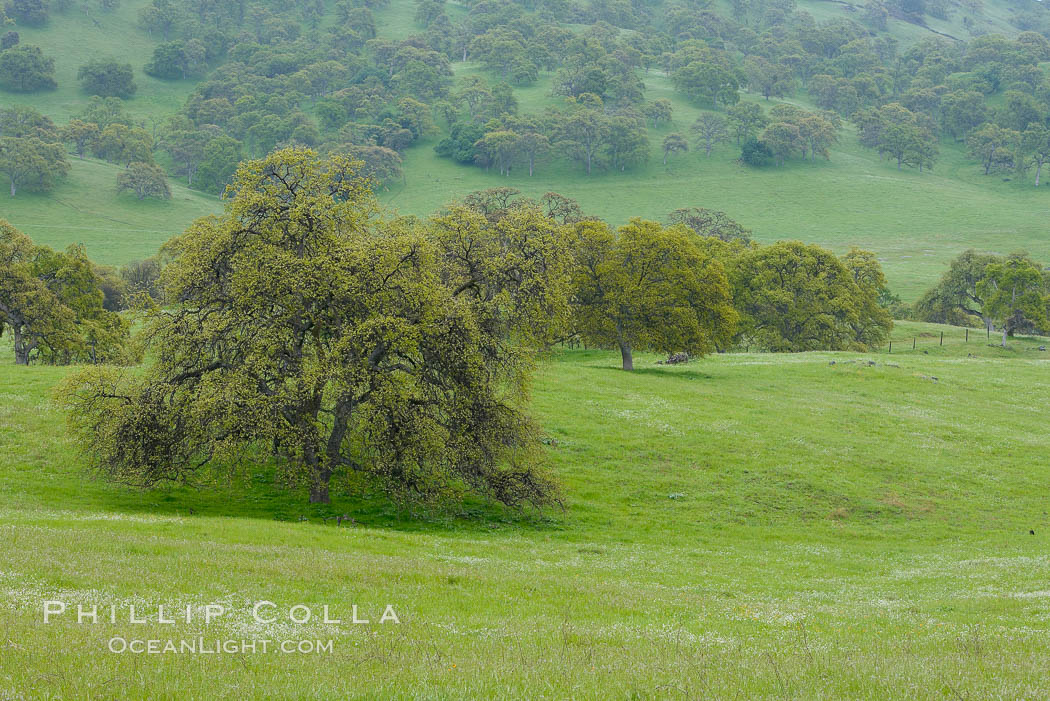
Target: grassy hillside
<point x="915" y="222"/>
<point x="85" y="208"/>
<point x="798" y="526"/>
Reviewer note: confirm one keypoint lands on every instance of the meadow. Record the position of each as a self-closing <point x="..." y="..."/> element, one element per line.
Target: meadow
<point x="817" y="525"/>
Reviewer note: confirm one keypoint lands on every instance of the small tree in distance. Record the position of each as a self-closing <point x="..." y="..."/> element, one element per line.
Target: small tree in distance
<point x="145" y="180"/>
<point x="674" y="143"/>
<point x="649" y="287"/>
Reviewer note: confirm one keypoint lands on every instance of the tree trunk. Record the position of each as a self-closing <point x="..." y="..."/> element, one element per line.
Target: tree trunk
<point x="13" y="188"/>
<point x="21" y="351"/>
<point x="625" y="353"/>
<point x="319" y="490"/>
<point x="1038" y="170"/>
<point x="1004" y="335"/>
<point x="320" y="474"/>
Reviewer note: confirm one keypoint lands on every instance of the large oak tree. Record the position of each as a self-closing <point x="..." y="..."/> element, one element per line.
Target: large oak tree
<point x="304" y="330"/>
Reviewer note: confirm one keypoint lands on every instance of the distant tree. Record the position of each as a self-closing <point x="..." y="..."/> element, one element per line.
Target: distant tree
<point x="24" y="68"/>
<point x="422" y="340"/>
<point x="534" y="146"/>
<point x="658" y="111"/>
<point x="649" y="287"/>
<point x="9" y="39"/>
<point x="32" y="13"/>
<point x="120" y="144"/>
<point x="81" y="134"/>
<point x="872" y="323"/>
<point x="142" y="278"/>
<point x="746" y="119"/>
<point x="674" y="143"/>
<point x="993" y="146"/>
<point x="876" y="15"/>
<point x="1035" y="144"/>
<point x="768" y="78"/>
<point x="963" y="111"/>
<point x="707" y="82"/>
<point x="583" y="133"/>
<point x="818" y="134"/>
<point x="794" y="297"/>
<point x="1021" y="110"/>
<point x="218" y="164"/>
<point x="185" y="143"/>
<point x="105" y="111"/>
<point x="1014" y="295"/>
<point x="107" y="78"/>
<point x="957" y="298"/>
<point x="783" y="139"/>
<point x="709" y="222"/>
<point x="21" y="121"/>
<point x="710" y="130"/>
<point x="169" y="61"/>
<point x="145" y="180"/>
<point x="756" y="153"/>
<point x="628" y="141"/>
<point x="52" y="304"/>
<point x="898" y="133"/>
<point x="161" y="16"/>
<point x="31" y="163"/>
<point x="499" y="148"/>
<point x="379" y="164"/>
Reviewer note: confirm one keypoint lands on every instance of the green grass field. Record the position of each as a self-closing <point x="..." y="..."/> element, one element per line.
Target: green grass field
<point x="818" y="525"/>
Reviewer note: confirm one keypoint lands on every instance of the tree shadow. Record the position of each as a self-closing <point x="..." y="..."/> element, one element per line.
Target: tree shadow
<point x="664" y="372"/>
<point x="260" y="498"/>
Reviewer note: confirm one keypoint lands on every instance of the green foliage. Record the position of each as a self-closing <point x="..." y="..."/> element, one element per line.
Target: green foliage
<point x="756" y="153"/>
<point x="144" y="180"/>
<point x="649" y="287"/>
<point x="707" y="222"/>
<point x="993" y="146"/>
<point x="795" y="297"/>
<point x="899" y="134"/>
<point x="107" y="78"/>
<point x="349" y="346"/>
<point x="1014" y="295"/>
<point x="24" y="68"/>
<point x="52" y="304"/>
<point x="31" y="153"/>
<point x="32" y="13"/>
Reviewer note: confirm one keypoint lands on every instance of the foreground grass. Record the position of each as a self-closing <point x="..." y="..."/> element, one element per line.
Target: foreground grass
<point x="747" y="526"/>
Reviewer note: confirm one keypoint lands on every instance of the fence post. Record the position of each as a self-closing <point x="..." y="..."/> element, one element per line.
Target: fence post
<point x="891" y="346"/>
<point x="967" y="335"/>
<point x="942" y="338"/>
<point x="913" y="343"/>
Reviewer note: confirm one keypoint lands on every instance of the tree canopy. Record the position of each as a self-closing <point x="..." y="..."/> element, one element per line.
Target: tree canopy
<point x="52" y="304"/>
<point x="650" y="287"/>
<point x="303" y="328"/>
